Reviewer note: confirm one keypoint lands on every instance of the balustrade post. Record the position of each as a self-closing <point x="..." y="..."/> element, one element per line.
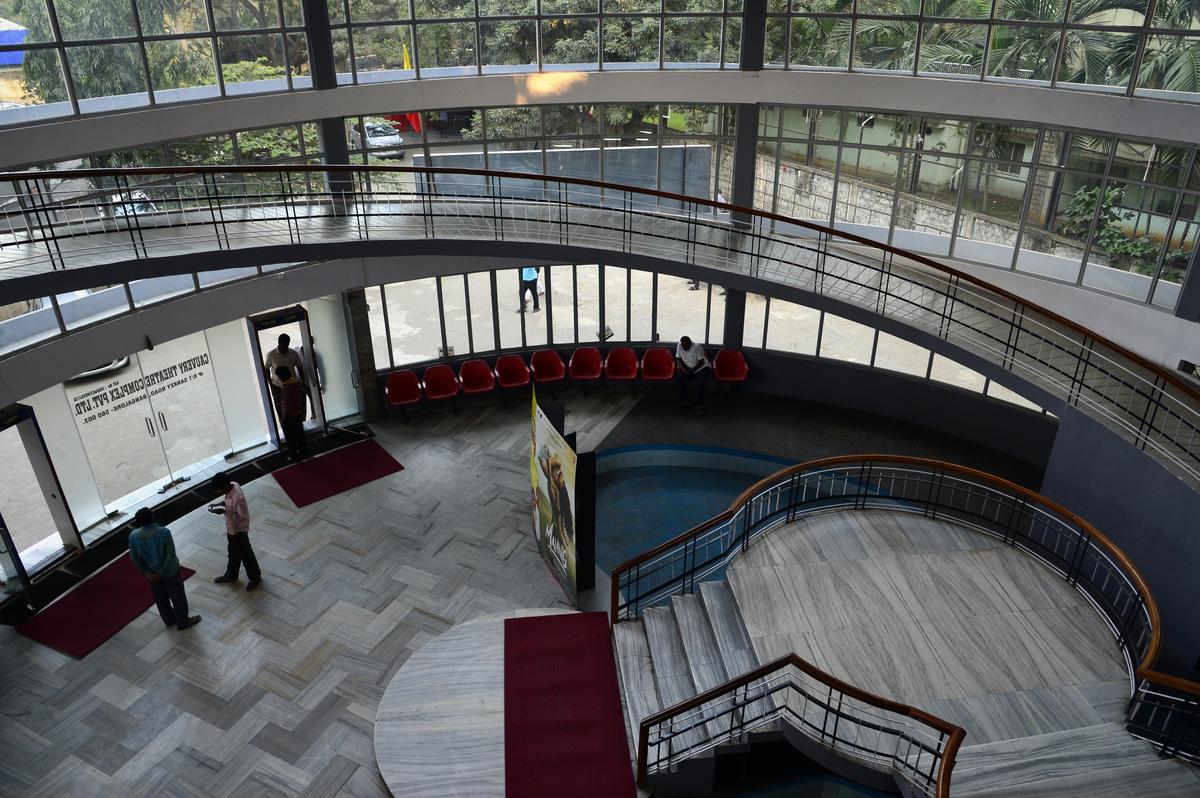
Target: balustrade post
<point x="1081" y="545"/>
<point x="213" y="198"/>
<point x="129" y="207"/>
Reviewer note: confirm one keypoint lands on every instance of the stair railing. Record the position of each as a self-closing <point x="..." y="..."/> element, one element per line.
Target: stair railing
<point x="98" y="217"/>
<point x="881" y="734"/>
<point x="1163" y="709"/>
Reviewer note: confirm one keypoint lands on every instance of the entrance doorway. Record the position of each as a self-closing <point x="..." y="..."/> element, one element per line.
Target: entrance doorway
<point x="265" y="332"/>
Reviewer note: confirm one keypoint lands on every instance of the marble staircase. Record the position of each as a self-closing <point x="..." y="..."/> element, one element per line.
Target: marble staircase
<point x="700" y="641"/>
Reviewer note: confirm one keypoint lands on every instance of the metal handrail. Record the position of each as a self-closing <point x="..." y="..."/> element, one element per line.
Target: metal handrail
<point x="758" y="691"/>
<point x="1083" y="555"/>
<point x="231" y="207"/>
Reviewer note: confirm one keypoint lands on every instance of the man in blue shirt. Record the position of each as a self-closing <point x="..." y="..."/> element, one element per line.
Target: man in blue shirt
<point x="529" y="278"/>
<point x="153" y="552"/>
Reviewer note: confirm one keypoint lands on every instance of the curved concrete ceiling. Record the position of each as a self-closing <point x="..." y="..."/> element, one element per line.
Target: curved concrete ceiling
<point x="1088" y="111"/>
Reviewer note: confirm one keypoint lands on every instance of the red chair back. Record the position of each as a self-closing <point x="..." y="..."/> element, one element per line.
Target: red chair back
<point x="547" y="366"/>
<point x="511" y="371"/>
<point x="621" y="364"/>
<point x="440" y="382"/>
<point x="476" y="377"/>
<point x="730" y="366"/>
<point x="586" y="363"/>
<point x="658" y="363"/>
<point x="402" y="388"/>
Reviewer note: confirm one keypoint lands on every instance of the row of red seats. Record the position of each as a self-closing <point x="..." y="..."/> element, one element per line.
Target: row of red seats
<point x="586" y="365"/>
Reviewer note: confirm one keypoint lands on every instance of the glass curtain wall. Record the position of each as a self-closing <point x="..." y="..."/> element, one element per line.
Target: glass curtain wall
<point x="1117" y="215"/>
<point x="1122" y="47"/>
<point x="578" y="304"/>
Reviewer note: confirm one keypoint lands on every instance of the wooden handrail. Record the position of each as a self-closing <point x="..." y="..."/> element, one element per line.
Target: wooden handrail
<point x="1172" y="378"/>
<point x="1143" y="670"/>
<point x="955" y="734"/>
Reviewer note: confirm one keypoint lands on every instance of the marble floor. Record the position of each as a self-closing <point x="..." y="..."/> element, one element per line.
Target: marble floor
<point x="934" y="615"/>
<point x="275" y="693"/>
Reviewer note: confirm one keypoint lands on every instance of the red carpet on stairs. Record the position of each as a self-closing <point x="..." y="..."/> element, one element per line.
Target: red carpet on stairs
<point x="97" y="609"/>
<point x="563" y="729"/>
<point x="332" y="473"/>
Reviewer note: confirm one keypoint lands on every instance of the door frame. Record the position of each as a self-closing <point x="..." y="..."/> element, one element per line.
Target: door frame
<point x="296" y="314"/>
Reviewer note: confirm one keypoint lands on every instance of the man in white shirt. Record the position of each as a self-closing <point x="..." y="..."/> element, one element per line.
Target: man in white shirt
<point x="284" y="355"/>
<point x="237" y="532"/>
<point x="691" y="365"/>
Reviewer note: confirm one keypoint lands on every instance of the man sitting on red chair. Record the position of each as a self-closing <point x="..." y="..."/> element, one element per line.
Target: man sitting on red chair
<point x="691" y="365"/>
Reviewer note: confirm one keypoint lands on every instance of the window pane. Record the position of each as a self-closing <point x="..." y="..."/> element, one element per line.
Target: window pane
<point x="951" y="373"/>
<point x="1057" y="225"/>
<point x="1179" y="253"/>
<point x="1163" y="66"/>
<point x="509" y="295"/>
<point x="640" y="305"/>
<point x="535" y="317"/>
<point x="865" y="191"/>
<point x="1023" y="52"/>
<point x="181" y="16"/>
<point x="752" y="330"/>
<point x="508" y="43"/>
<point x="111" y="71"/>
<point x="630" y="40"/>
<point x="375" y="11"/>
<point x="385" y="48"/>
<point x="925" y="209"/>
<point x="896" y="354"/>
<point x="379" y="344"/>
<point x="562" y="296"/>
<point x="33" y="17"/>
<point x="79" y="21"/>
<point x="482" y="327"/>
<point x="948" y="48"/>
<point x="615" y="316"/>
<point x="1080" y="65"/>
<point x="792" y="328"/>
<point x="245" y="14"/>
<point x="820" y="41"/>
<point x="587" y="302"/>
<point x="445" y="45"/>
<point x="413" y="321"/>
<point x="454" y="315"/>
<point x="83" y="307"/>
<point x="681" y="308"/>
<point x="570" y="41"/>
<point x="252" y="63"/>
<point x="884" y="44"/>
<point x="692" y="40"/>
<point x="843" y="339"/>
<point x="495" y="8"/>
<point x="444" y="9"/>
<point x="997" y="391"/>
<point x="991" y="211"/>
<point x="716" y="315"/>
<point x="33" y="86"/>
<point x="181" y="64"/>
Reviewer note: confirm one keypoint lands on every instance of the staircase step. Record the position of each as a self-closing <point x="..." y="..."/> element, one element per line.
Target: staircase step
<point x="672" y="675"/>
<point x="732" y="639"/>
<point x="699" y="643"/>
<point x="1154" y="779"/>
<point x="1047" y="756"/>
<point x="638" y="691"/>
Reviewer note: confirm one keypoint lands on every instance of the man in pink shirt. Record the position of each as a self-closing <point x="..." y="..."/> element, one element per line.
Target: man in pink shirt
<point x="237" y="532"/>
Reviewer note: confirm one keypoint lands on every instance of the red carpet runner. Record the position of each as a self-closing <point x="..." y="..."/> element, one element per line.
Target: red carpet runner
<point x="94" y="611"/>
<point x="332" y="473"/>
<point x="563" y="729"/>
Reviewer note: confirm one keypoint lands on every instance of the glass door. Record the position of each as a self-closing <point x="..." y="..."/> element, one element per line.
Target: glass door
<point x="185" y="404"/>
<point x="118" y="430"/>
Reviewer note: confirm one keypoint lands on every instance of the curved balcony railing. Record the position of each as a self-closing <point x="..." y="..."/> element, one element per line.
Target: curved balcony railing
<point x="914" y="746"/>
<point x="1163" y="709"/>
<point x="155" y="213"/>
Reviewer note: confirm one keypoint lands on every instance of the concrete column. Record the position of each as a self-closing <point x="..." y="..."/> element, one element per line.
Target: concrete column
<point x="332" y="131"/>
<point x="360" y="326"/>
<point x="735" y="319"/>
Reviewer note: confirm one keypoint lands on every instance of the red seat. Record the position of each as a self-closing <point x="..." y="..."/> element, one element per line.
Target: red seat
<point x="476" y="377"/>
<point x="585" y="363"/>
<point x="621" y="364"/>
<point x="511" y="371"/>
<point x="402" y="389"/>
<point x="440" y="382"/>
<point x="658" y="363"/>
<point x="547" y="366"/>
<point x="730" y="366"/>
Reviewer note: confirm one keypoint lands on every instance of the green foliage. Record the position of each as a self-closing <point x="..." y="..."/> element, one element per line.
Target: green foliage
<point x="1132" y="253"/>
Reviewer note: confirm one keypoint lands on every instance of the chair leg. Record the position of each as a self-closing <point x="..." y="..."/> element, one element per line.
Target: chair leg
<point x="403" y="413"/>
<point x="454" y="405"/>
<point x="586" y="388"/>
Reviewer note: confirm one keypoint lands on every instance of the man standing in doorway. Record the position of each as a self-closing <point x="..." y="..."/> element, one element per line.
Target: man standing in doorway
<point x="692" y="365"/>
<point x="152" y="550"/>
<point x="237" y="532"/>
<point x="291" y="411"/>
<point x="283" y="355"/>
<point x="529" y="282"/>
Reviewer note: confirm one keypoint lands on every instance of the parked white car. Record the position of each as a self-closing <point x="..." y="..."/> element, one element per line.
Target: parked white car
<point x="382" y="140"/>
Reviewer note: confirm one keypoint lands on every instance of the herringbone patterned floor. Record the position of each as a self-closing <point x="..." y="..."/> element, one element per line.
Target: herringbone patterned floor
<point x="275" y="693"/>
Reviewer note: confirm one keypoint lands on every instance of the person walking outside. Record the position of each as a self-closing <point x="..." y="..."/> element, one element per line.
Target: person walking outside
<point x="237" y="532"/>
<point x="152" y="550"/>
<point x="291" y="410"/>
<point x="529" y="282"/>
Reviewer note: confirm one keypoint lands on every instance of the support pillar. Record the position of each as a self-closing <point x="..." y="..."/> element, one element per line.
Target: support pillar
<point x="332" y="130"/>
<point x="735" y="319"/>
<point x="360" y="327"/>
